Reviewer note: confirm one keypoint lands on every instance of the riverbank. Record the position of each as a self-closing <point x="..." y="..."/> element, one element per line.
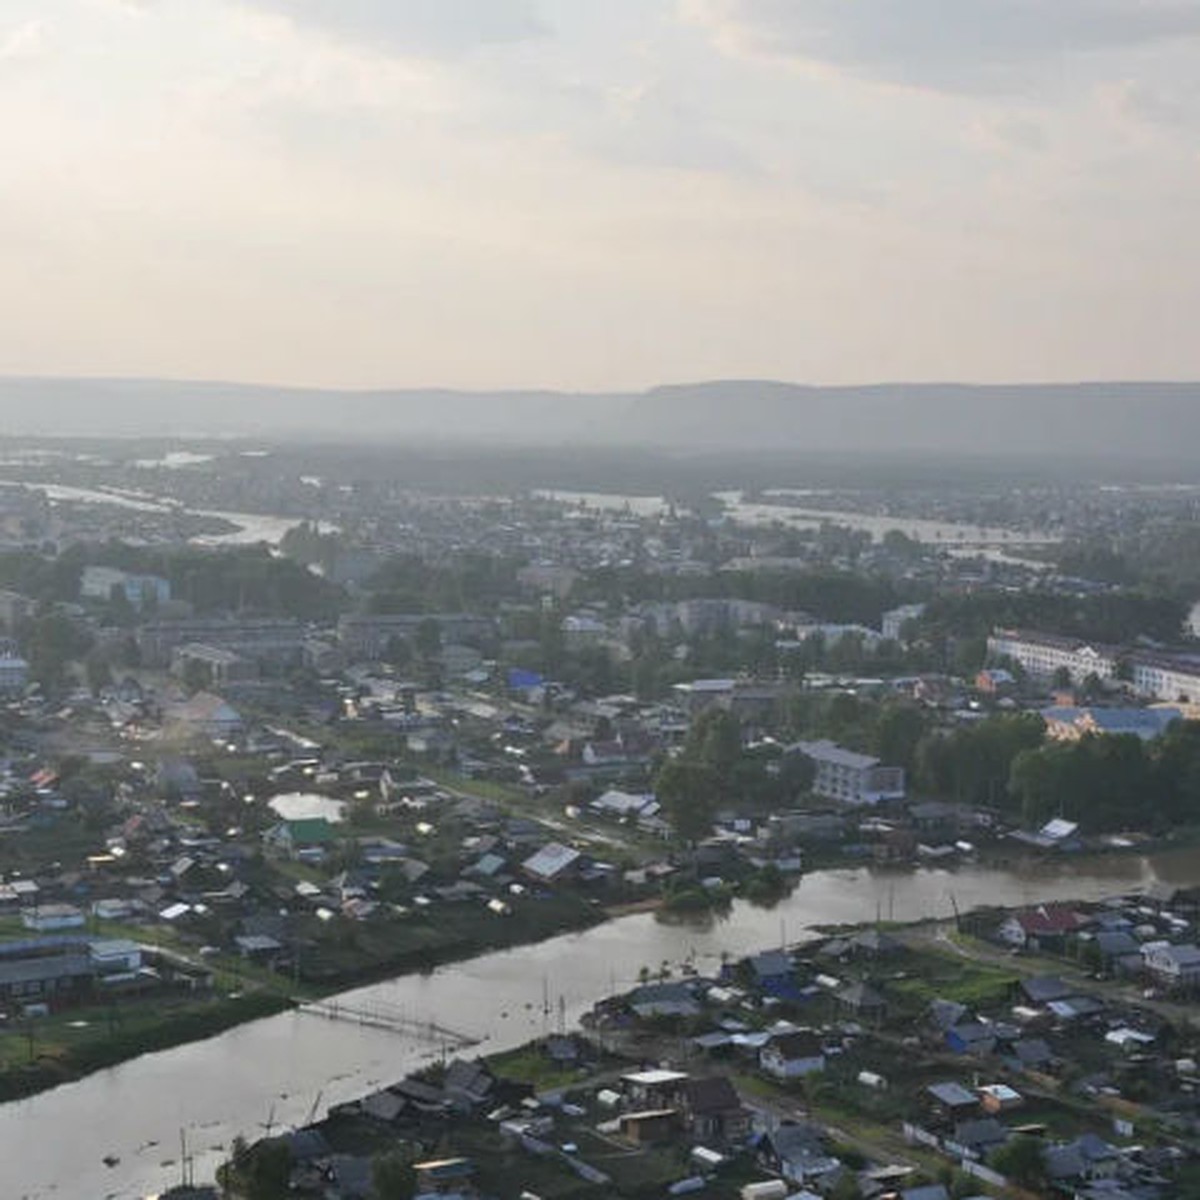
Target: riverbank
<point x="66" y="1048"/>
<point x="39" y="1054"/>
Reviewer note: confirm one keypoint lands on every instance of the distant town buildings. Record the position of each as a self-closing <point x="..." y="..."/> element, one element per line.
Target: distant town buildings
<point x="1068" y="724"/>
<point x="14" y="673"/>
<point x="142" y="591"/>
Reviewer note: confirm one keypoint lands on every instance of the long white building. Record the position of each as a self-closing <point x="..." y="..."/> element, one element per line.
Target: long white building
<point x="1166" y="677"/>
<point x="1043" y="655"/>
<point x="1174" y="678"/>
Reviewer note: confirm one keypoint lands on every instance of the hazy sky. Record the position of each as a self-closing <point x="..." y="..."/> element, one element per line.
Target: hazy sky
<point x="600" y="193"/>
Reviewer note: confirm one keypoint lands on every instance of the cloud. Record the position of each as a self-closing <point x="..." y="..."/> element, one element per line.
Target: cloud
<point x="1144" y="104"/>
<point x="419" y="27"/>
<point x="947" y="45"/>
<point x="23" y="42"/>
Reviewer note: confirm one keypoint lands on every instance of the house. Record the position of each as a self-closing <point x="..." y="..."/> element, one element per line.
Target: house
<point x="309" y="838"/>
<point x="774" y="974"/>
<point x="1057" y="834"/>
<point x="619" y="805"/>
<point x="993" y="681"/>
<point x="951" y="1099"/>
<point x="1042" y="989"/>
<point x="552" y="863"/>
<point x="1089" y="1157"/>
<point x="797" y="1152"/>
<point x="1031" y="1054"/>
<point x="873" y="943"/>
<point x="793" y="1055"/>
<point x="1173" y="966"/>
<point x="977" y="1139"/>
<point x="863" y="1001"/>
<point x="971" y="1037"/>
<point x="651" y="1125"/>
<point x="1045" y="926"/>
<point x="45" y="978"/>
<point x="999" y="1098"/>
<point x="945" y="1013"/>
<point x="658" y="1086"/>
<point x="47" y="918"/>
<point x="468" y="1083"/>
<point x="257" y="946"/>
<point x="207" y="715"/>
<point x="383" y="1106"/>
<point x="664" y="1000"/>
<point x="1117" y="946"/>
<point x="713" y="1111"/>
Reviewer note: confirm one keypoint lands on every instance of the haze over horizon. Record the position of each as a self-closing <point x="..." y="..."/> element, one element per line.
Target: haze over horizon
<point x="1129" y="422"/>
<point x="517" y="194"/>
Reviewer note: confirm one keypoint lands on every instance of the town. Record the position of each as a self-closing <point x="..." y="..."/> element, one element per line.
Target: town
<point x="275" y="727"/>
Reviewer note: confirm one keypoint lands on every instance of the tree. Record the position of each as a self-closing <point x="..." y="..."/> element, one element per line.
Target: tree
<point x="258" y="1172"/>
<point x="796" y="774"/>
<point x="1022" y="1161"/>
<point x="197" y="675"/>
<point x="715" y="742"/>
<point x="688" y="792"/>
<point x="99" y="673"/>
<point x="429" y="638"/>
<point x="846" y="1187"/>
<point x="392" y="1177"/>
<point x="897" y="734"/>
<point x="51" y="642"/>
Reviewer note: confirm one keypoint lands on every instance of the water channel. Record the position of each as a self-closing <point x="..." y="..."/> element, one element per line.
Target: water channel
<point x="280" y="1070"/>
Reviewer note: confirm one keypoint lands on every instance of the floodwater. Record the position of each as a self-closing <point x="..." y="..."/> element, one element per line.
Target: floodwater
<point x="282" y="1070"/>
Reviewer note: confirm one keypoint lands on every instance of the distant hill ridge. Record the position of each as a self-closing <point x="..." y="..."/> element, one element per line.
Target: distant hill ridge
<point x="1127" y="419"/>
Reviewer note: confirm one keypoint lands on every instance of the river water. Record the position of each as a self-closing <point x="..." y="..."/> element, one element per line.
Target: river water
<point x="281" y="1069"/>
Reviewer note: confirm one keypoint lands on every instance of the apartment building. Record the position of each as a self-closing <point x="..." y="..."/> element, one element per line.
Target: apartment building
<point x="850" y="777"/>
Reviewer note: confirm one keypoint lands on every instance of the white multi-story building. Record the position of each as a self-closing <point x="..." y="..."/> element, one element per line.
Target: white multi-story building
<point x="1043" y="655"/>
<point x="1166" y="677"/>
<point x="850" y="777"/>
<point x="892" y="623"/>
<point x="99" y="583"/>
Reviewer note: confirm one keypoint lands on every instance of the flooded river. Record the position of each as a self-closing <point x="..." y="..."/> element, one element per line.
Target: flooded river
<point x="280" y="1070"/>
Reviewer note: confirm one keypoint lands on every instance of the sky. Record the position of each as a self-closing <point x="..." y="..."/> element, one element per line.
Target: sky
<point x="600" y="194"/>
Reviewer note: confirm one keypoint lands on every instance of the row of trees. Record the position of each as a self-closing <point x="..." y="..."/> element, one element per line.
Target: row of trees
<point x="1112" y="783"/>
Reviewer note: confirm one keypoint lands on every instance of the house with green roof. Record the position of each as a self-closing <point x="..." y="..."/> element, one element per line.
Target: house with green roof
<point x="306" y="839"/>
